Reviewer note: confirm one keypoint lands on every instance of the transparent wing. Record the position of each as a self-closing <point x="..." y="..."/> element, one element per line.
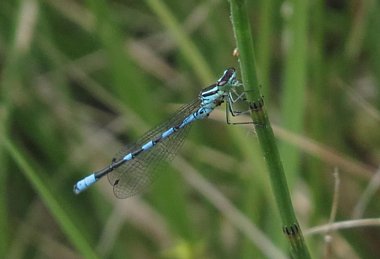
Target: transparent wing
<point x="136" y="175"/>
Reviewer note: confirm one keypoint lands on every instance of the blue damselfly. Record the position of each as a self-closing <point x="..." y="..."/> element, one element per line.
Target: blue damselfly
<point x="132" y="169"/>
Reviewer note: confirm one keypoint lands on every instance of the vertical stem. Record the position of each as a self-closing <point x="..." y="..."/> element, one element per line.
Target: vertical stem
<point x="295" y="80"/>
<point x="264" y="130"/>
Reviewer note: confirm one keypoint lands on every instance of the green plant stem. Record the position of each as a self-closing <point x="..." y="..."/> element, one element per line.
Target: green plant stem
<point x="264" y="130"/>
<point x="4" y="235"/>
<point x="295" y="81"/>
<point x="68" y="227"/>
<point x="187" y="47"/>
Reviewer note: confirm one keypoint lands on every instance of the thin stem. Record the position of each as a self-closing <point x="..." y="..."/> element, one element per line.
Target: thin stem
<point x="65" y="222"/>
<point x="264" y="130"/>
<point x="187" y="47"/>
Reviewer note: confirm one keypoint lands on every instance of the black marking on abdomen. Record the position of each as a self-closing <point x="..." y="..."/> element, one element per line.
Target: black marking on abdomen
<point x="158" y="139"/>
<point x="137" y="152"/>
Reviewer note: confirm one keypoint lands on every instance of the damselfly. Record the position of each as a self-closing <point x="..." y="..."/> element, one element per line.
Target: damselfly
<point x="132" y="169"/>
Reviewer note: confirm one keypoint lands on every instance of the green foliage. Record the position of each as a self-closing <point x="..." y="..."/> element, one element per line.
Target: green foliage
<point x="79" y="79"/>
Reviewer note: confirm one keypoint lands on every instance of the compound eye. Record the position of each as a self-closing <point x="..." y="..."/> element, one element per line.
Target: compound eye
<point x="228" y="76"/>
<point x="221" y="83"/>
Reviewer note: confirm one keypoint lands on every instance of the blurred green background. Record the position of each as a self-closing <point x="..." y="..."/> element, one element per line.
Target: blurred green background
<point x="81" y="78"/>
